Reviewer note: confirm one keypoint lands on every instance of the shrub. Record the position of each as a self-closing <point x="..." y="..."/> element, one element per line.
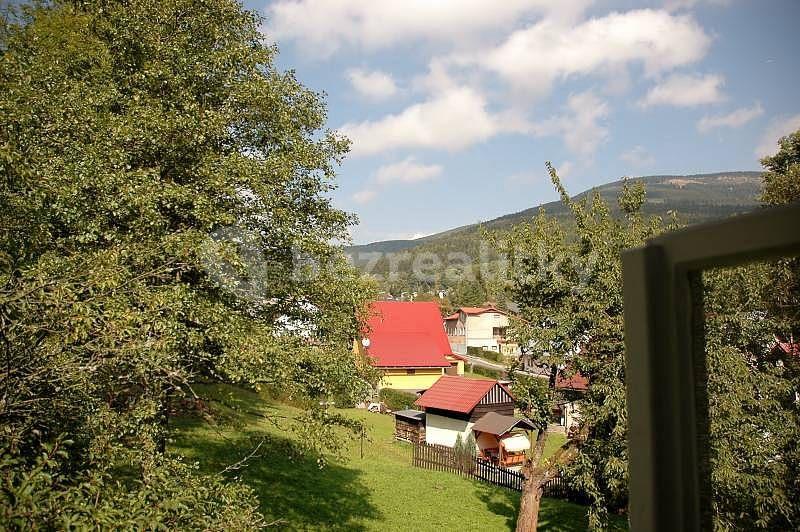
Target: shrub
<point x="485" y="353"/>
<point x="486" y="372"/>
<point x="397" y="400"/>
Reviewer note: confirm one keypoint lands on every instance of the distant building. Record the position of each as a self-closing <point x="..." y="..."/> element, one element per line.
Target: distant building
<point x="407" y="342"/>
<point x="482" y="327"/>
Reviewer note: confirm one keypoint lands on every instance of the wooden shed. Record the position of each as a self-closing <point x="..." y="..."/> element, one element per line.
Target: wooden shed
<point x="409" y="425"/>
<point x="453" y="405"/>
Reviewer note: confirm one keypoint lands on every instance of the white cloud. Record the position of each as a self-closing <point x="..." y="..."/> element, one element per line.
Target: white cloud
<point x="638" y="157"/>
<point x="453" y="120"/>
<point x="565" y="169"/>
<point x="534" y="57"/>
<point x="364" y="196"/>
<point x="324" y="26"/>
<point x="407" y="171"/>
<point x="736" y="118"/>
<point x="779" y="127"/>
<point x="580" y="127"/>
<point x="686" y="90"/>
<point x="375" y="85"/>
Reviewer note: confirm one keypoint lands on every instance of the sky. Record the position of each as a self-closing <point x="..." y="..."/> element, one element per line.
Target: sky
<point x="453" y="106"/>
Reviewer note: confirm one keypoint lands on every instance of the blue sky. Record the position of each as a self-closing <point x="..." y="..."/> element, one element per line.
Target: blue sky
<point x="453" y="106"/>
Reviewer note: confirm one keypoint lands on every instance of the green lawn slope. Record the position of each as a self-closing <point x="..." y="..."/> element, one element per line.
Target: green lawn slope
<point x="380" y="491"/>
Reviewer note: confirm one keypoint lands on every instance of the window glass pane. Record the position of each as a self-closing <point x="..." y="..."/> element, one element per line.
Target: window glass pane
<point x="752" y="342"/>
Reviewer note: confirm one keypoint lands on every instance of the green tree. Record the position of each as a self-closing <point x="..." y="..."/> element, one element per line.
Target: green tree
<point x="165" y="221"/>
<point x="569" y="292"/>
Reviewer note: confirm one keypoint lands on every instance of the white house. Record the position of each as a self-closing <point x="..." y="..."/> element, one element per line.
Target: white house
<point x="482" y="327"/>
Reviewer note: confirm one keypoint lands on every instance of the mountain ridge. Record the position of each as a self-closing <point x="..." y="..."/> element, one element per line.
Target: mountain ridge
<point x="694" y="197"/>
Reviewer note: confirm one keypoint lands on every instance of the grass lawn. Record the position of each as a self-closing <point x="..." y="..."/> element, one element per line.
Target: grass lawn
<point x="380" y="491"/>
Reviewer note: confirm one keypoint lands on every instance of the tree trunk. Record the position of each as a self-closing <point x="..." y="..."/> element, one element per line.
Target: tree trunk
<point x="532" y="489"/>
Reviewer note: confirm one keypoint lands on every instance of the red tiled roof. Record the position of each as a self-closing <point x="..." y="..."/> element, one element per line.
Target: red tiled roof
<point x="407" y="334"/>
<point x="576" y="382"/>
<point x="788" y="347"/>
<point x="457" y="394"/>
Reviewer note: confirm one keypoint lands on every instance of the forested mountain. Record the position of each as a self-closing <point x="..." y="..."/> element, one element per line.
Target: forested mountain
<point x="695" y="198"/>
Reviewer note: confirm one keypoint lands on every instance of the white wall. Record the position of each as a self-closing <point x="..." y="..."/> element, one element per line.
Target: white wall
<point x="480" y="328"/>
<point x="440" y="430"/>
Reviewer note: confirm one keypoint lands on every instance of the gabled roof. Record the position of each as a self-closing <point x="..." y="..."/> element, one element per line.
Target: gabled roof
<point x="457" y="394"/>
<point x="498" y="424"/>
<point x="407" y="334"/>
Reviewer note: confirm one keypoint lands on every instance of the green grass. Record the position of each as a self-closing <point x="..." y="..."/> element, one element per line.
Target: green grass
<point x="380" y="491"/>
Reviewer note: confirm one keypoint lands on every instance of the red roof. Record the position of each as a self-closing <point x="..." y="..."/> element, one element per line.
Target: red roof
<point x="457" y="394"/>
<point x="576" y="382"/>
<point x="407" y="334"/>
<point x="788" y="347"/>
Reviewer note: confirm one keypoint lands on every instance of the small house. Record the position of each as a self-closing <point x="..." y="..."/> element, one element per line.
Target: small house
<point x="503" y="440"/>
<point x="454" y="404"/>
<point x="409" y="425"/>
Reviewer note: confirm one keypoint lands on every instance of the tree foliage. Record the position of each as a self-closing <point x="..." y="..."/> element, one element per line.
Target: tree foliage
<point x="165" y="221"/>
<point x="569" y="291"/>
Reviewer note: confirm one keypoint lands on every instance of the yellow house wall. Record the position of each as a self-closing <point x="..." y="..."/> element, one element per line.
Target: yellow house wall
<point x="459" y="364"/>
<point x="421" y="380"/>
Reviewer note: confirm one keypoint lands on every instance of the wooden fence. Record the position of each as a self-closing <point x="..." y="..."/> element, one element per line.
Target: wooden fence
<point x="441" y="458"/>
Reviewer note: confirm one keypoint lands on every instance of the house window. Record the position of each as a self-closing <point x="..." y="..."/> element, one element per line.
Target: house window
<point x="411" y="372"/>
<point x="499" y="331"/>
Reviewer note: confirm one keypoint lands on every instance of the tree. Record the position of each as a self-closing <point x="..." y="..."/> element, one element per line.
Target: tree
<point x="569" y="292"/>
<point x="165" y="216"/>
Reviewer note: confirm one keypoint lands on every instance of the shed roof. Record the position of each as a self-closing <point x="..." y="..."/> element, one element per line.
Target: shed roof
<point x="457" y="394"/>
<point x="498" y="424"/>
<point x="416" y="415"/>
<point x="407" y="334"/>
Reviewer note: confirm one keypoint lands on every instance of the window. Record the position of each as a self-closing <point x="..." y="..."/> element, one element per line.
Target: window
<point x="666" y="367"/>
<point x="411" y="372"/>
<point x="499" y="331"/>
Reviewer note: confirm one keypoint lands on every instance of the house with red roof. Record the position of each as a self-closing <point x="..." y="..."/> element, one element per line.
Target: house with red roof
<point x="454" y="404"/>
<point x="406" y="340"/>
<point x="482" y="327"/>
